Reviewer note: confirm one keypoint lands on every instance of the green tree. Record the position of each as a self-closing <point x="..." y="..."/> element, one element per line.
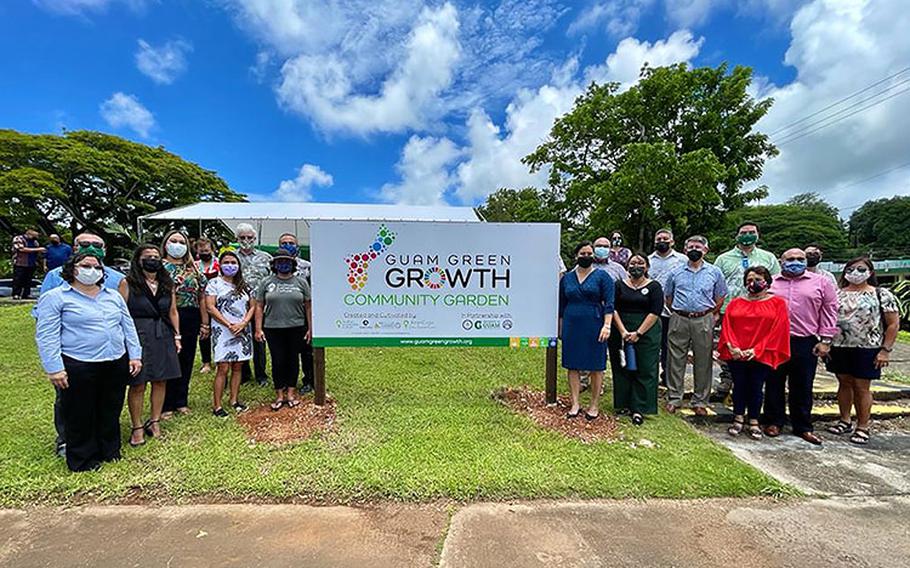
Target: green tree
<point x="674" y="150"/>
<point x="881" y="227"/>
<point x="802" y="220"/>
<point x="90" y="180"/>
<point x="528" y="205"/>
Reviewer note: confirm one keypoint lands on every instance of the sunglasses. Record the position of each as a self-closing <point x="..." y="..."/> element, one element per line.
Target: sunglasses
<point x="98" y="244"/>
<point x="860" y="270"/>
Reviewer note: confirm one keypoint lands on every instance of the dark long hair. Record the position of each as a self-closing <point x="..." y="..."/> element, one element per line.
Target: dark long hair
<point x="872" y="281"/>
<point x="240" y="285"/>
<point x="68" y="272"/>
<point x="136" y="276"/>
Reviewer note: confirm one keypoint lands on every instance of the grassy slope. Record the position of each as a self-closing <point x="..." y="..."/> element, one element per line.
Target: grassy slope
<point x="413" y="424"/>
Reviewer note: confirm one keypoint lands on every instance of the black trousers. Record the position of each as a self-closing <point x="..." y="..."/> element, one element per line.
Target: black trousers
<point x="259" y="356"/>
<point x="664" y="330"/>
<point x="178" y="390"/>
<point x="91" y="407"/>
<point x="205" y="349"/>
<point x="748" y="379"/>
<point x="285" y="345"/>
<point x="799" y="375"/>
<point x="22" y="281"/>
<point x="59" y="424"/>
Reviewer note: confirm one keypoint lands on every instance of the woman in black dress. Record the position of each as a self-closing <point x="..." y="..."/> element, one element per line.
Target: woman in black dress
<point x="149" y="293"/>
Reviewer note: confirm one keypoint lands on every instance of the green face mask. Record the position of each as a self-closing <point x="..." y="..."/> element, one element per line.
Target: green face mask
<point x="747" y="239"/>
<point x="92" y="250"/>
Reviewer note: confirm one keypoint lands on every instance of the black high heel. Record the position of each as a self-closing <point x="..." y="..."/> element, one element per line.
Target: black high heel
<point x="148" y="428"/>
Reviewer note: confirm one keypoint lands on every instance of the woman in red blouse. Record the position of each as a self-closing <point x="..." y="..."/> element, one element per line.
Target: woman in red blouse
<point x="754" y="340"/>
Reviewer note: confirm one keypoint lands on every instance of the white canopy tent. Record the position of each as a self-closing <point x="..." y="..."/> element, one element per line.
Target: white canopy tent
<point x="273" y="219"/>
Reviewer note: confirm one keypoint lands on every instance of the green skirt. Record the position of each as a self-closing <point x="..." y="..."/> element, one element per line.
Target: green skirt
<point x="636" y="391"/>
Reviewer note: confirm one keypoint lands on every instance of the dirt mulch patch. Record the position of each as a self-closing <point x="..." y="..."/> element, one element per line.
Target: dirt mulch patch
<point x="263" y="425"/>
<point x="533" y="404"/>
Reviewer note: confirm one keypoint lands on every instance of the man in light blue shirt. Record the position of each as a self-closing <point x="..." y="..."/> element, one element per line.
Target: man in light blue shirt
<point x="695" y="292"/>
<point x="89" y="243"/>
<point x="663" y="261"/>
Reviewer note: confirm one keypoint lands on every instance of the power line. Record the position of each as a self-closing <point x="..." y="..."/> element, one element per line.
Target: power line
<point x="834" y="104"/>
<point x="823" y="126"/>
<point x="846" y="109"/>
<point x="870" y="178"/>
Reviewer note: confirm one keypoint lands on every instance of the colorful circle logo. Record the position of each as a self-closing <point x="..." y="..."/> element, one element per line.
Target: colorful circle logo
<point x="434" y="278"/>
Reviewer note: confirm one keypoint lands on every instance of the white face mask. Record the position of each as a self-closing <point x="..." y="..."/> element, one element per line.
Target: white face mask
<point x="88" y="276"/>
<point x="176" y="250"/>
<point x="857" y="277"/>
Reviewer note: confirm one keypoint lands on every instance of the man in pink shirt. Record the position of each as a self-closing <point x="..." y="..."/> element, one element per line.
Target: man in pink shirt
<point x="812" y="302"/>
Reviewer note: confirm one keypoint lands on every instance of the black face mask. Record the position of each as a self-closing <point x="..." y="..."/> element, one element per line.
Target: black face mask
<point x="812" y="259"/>
<point x="585" y="261"/>
<point x="150" y="264"/>
<point x="662" y="247"/>
<point x="694" y="255"/>
<point x="206" y="256"/>
<point x="636" y="271"/>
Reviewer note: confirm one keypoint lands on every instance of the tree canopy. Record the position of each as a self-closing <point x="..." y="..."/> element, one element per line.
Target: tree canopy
<point x="881" y="227"/>
<point x="90" y="180"/>
<point x="804" y="219"/>
<point x="675" y="150"/>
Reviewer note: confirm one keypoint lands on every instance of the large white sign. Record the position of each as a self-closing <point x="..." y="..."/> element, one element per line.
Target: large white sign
<point x="434" y="284"/>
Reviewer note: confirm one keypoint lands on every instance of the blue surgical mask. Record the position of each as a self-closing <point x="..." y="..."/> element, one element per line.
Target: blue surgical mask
<point x="794" y="267"/>
<point x="601" y="252"/>
<point x="291" y="248"/>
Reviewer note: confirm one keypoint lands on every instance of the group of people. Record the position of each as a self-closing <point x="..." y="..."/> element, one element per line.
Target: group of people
<point x="777" y="316"/>
<point x="28" y="255"/>
<point x="103" y="336"/>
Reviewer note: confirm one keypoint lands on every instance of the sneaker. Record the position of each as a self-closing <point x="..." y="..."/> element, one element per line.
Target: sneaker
<point x="61" y="450"/>
<point x="305" y="389"/>
<point x="263" y="381"/>
<point x="220" y="413"/>
<point x="239" y="407"/>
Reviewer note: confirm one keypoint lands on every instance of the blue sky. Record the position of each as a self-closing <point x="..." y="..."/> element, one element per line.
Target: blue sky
<point x="435" y="102"/>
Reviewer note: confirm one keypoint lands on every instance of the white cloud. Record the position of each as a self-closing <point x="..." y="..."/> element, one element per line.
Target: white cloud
<point x="163" y="63"/>
<point x="122" y="110"/>
<point x="300" y="188"/>
<point x="618" y="17"/>
<point x="690" y="13"/>
<point x="424" y="170"/>
<point x="78" y="7"/>
<point x="839" y="47"/>
<point x="321" y="87"/>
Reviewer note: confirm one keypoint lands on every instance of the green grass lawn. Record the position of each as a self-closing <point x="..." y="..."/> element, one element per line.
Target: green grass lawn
<point x="413" y="424"/>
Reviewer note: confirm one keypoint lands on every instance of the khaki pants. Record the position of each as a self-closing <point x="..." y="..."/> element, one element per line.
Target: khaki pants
<point x="697" y="335"/>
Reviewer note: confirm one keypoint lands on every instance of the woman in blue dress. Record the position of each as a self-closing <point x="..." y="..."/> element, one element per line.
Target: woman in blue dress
<point x="585" y="313"/>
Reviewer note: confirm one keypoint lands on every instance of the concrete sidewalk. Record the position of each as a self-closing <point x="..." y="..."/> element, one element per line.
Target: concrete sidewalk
<point x="222" y="536"/>
<point x="723" y="533"/>
<point x="714" y="533"/>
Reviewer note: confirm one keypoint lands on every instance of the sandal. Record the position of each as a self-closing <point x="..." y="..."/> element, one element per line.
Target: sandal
<point x="571" y="415"/>
<point x="840" y="428"/>
<point x="860" y="437"/>
<point x="755" y="431"/>
<point x="147" y="427"/>
<point x="293" y="403"/>
<point x="131" y="438"/>
<point x="220" y="413"/>
<point x="591" y="417"/>
<point x="736" y="428"/>
<point x="239" y="407"/>
<point x="276" y="406"/>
